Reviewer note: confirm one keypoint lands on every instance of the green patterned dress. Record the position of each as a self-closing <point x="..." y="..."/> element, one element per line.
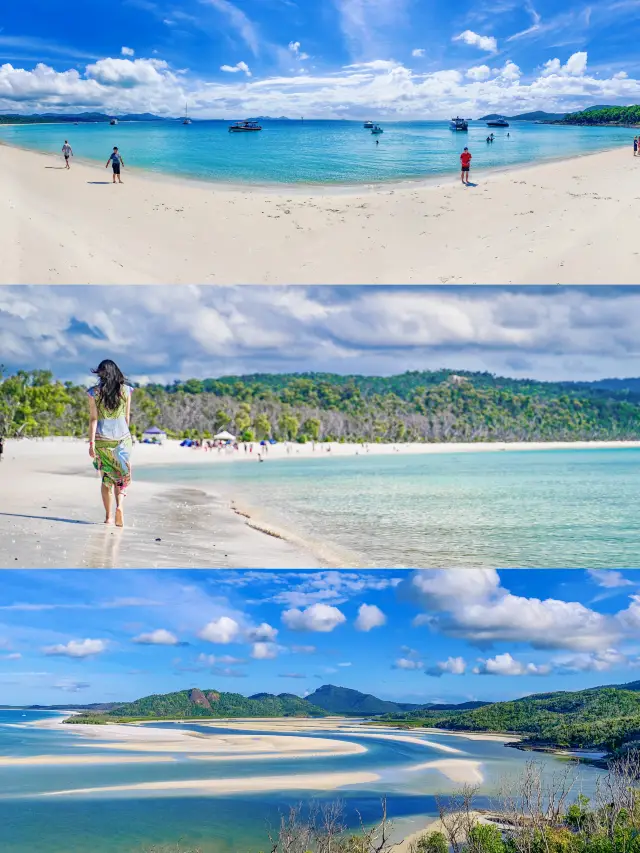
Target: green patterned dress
<point x="113" y="442"/>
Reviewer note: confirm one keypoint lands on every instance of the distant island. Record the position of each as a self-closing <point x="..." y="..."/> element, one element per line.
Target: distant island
<point x="539" y="115"/>
<point x="79" y="118"/>
<point x="417" y="406"/>
<point x="604" y="718"/>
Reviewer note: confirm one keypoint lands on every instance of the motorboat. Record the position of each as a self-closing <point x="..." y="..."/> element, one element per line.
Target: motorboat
<point x="113" y="121"/>
<point x="368" y="125"/>
<point x="376" y="129"/>
<point x="186" y="119"/>
<point x="498" y="122"/>
<point x="458" y="124"/>
<point x="244" y="127"/>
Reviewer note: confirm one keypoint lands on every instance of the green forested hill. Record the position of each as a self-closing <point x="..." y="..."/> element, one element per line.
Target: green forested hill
<point x="430" y="406"/>
<point x="207" y="703"/>
<point x="604" y="115"/>
<point x="602" y="717"/>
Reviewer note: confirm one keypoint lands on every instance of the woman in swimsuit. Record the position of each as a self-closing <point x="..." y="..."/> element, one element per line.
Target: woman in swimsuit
<point x="109" y="436"/>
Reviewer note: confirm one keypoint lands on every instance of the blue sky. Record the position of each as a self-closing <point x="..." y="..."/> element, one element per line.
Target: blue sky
<point x="163" y="333"/>
<point x="336" y="58"/>
<point x="428" y="635"/>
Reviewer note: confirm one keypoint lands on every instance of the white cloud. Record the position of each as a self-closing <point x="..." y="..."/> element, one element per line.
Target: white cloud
<point x="407" y="663"/>
<point x="472" y="604"/>
<point x="319" y="617"/>
<point x="345" y="663"/>
<point x="77" y="648"/>
<point x="240" y="22"/>
<point x="452" y="666"/>
<point x="239" y="66"/>
<point x="418" y="51"/>
<point x="264" y="651"/>
<point x="478" y="72"/>
<point x="11" y="656"/>
<point x="609" y="578"/>
<point x="369" y="616"/>
<point x="160" y="637"/>
<point x="127" y="73"/>
<point x="294" y="47"/>
<point x="264" y="632"/>
<point x="594" y="662"/>
<point x="214" y="660"/>
<point x="70" y="686"/>
<point x="222" y="630"/>
<point x="486" y="43"/>
<point x="505" y="664"/>
<point x="127" y="51"/>
<point x="576" y="66"/>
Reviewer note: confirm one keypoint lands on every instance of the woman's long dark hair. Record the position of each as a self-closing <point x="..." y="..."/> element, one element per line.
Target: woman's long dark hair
<point x="110" y="383"/>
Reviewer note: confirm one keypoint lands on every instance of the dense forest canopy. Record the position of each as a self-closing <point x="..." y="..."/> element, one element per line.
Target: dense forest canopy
<point x="431" y="406"/>
<point x="604" y="115"/>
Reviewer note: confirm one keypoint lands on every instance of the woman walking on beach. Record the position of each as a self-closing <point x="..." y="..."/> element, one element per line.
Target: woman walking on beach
<point x="109" y="437"/>
<point x="116" y="161"/>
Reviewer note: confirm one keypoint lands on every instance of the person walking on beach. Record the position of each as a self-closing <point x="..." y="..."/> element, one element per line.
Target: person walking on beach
<point x="66" y="150"/>
<point x="465" y="165"/>
<point x="110" y="441"/>
<point x="116" y="162"/>
<point x="635" y="146"/>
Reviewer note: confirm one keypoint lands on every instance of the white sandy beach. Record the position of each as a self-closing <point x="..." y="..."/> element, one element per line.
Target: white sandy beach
<point x="52" y="514"/>
<point x="557" y="222"/>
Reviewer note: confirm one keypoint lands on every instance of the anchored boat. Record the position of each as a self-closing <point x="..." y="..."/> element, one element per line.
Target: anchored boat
<point x="376" y="129"/>
<point x="244" y="127"/>
<point x="186" y="119"/>
<point x="498" y="122"/>
<point x="114" y="121"/>
<point x="368" y="125"/>
<point x="458" y="124"/>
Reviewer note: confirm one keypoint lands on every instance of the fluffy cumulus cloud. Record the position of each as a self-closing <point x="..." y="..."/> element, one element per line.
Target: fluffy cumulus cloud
<point x="369" y="616"/>
<point x="562" y="333"/>
<point x="594" y="662"/>
<point x="487" y="43"/>
<point x="408" y="663"/>
<point x="472" y="604"/>
<point x="451" y="666"/>
<point x="319" y="617"/>
<point x="505" y="664"/>
<point x="222" y="630"/>
<point x="160" y="637"/>
<point x="263" y="632"/>
<point x="131" y="84"/>
<point x="77" y="648"/>
<point x="609" y="578"/>
<point x="418" y="52"/>
<point x="264" y="651"/>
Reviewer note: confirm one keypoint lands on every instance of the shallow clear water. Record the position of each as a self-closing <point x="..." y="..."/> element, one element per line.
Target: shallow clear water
<point x="130" y="822"/>
<point x="323" y="152"/>
<point x="513" y="509"/>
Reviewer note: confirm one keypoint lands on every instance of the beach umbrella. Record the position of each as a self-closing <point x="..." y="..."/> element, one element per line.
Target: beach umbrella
<point x="224" y="436"/>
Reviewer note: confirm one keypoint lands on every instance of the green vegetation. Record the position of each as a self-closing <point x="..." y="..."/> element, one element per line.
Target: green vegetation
<point x="344" y="700"/>
<point x="203" y="703"/>
<point x="628" y="116"/>
<point x="430" y="406"/>
<point x="603" y="718"/>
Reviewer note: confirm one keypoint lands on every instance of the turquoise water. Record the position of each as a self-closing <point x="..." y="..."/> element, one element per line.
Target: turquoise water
<point x="133" y="821"/>
<point x="547" y="508"/>
<point x="322" y="152"/>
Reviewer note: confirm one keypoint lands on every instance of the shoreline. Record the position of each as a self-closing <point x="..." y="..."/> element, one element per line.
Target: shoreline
<point x="320" y="188"/>
<point x="550" y="222"/>
<point x="53" y="518"/>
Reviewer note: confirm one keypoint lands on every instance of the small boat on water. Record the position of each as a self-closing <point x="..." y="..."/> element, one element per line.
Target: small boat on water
<point x="458" y="124"/>
<point x="376" y="129"/>
<point x="113" y="121"/>
<point x="368" y="125"/>
<point x="186" y="119"/>
<point x="244" y="127"/>
<point x="498" y="122"/>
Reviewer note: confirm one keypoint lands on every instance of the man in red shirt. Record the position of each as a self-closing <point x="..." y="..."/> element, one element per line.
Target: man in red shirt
<point x="465" y="162"/>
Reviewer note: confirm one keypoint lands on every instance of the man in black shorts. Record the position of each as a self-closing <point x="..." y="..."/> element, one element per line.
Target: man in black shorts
<point x="465" y="165"/>
<point x="116" y="162"/>
<point x="66" y="150"/>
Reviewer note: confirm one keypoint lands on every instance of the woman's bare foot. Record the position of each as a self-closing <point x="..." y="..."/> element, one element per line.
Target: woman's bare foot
<point x="119" y="517"/>
<point x="108" y="520"/>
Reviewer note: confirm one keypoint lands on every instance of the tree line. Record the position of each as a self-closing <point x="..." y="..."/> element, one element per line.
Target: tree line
<point x="429" y="406"/>
<point x="605" y="115"/>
